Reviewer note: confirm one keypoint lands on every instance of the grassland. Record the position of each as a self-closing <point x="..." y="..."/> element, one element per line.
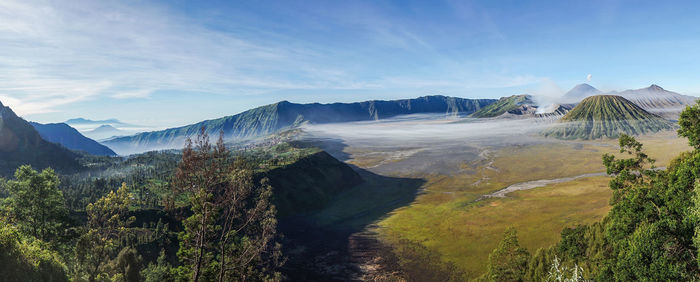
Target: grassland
<point x="446" y="219"/>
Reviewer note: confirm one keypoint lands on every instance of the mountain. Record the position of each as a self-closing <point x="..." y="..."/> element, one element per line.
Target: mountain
<point x="21" y="144"/>
<point x="284" y="115"/>
<point x="504" y="105"/>
<point x="519" y="106"/>
<point x="579" y="92"/>
<point x="659" y="101"/>
<point x="89" y="121"/>
<point x="70" y="138"/>
<point x="606" y="116"/>
<point x="104" y="131"/>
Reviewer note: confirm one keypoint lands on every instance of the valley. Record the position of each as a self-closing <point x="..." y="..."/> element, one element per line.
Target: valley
<point x="417" y="189"/>
<point x="450" y="215"/>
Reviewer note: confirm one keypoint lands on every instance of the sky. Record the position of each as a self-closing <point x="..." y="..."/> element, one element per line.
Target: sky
<point x="172" y="63"/>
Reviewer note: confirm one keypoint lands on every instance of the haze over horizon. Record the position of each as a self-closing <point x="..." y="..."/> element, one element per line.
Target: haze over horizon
<point x="169" y="63"/>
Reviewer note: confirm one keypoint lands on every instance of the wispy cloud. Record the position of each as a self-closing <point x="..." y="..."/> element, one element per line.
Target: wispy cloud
<point x="54" y="54"/>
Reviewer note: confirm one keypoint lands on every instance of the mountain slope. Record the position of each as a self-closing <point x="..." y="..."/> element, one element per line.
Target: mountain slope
<point x="504" y="105"/>
<point x="659" y="101"/>
<point x="606" y="116"/>
<point x="21" y="144"/>
<point x="579" y="92"/>
<point x="70" y="138"/>
<point x="283" y="115"/>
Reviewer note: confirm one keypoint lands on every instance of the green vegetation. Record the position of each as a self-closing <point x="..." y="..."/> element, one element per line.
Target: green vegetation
<point x="446" y="220"/>
<point x="26" y="259"/>
<point x="503" y="105"/>
<point x="606" y="116"/>
<point x="231" y="232"/>
<point x="35" y="204"/>
<point x="651" y="231"/>
<point x="508" y="262"/>
<point x="173" y="211"/>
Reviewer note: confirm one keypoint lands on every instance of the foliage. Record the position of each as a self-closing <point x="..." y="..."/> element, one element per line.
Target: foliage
<point x="27" y="260"/>
<point x="35" y="204"/>
<point x="690" y="125"/>
<point x="560" y="273"/>
<point x="509" y="261"/>
<point x="230" y="234"/>
<point x="128" y="265"/>
<point x="107" y="222"/>
<point x="159" y="271"/>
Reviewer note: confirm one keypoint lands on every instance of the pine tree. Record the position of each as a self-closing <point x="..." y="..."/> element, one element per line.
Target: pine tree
<point x="508" y="262"/>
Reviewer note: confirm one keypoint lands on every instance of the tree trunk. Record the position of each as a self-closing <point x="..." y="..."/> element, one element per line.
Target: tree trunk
<point x="200" y="245"/>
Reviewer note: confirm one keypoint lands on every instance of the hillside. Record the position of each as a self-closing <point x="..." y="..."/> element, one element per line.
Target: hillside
<point x="21" y="144"/>
<point x="580" y="92"/>
<point x="310" y="182"/>
<point x="284" y="115"/>
<point x="70" y="138"/>
<point x="513" y="104"/>
<point x="659" y="101"/>
<point x="606" y="116"/>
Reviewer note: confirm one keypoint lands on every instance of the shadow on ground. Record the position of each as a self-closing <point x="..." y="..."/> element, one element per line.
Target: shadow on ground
<point x="330" y="244"/>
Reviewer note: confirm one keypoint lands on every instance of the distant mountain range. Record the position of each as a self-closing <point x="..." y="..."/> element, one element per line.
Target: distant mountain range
<point x="21" y="144"/>
<point x="659" y="101"/>
<point x="284" y="115"/>
<point x="70" y="138"/>
<point x="105" y="131"/>
<point x="607" y="116"/>
<point x="653" y="99"/>
<point x="96" y="122"/>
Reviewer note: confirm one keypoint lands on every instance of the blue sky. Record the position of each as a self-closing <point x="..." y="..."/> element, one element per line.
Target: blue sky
<point x="171" y="63"/>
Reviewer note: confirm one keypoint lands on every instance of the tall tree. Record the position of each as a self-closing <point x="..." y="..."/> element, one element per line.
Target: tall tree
<point x="509" y="261"/>
<point x="248" y="229"/>
<point x="107" y="222"/>
<point x="230" y="234"/>
<point x="35" y="203"/>
<point x="200" y="176"/>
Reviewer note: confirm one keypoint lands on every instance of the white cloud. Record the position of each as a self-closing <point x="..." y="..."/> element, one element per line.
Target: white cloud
<point x="54" y="54"/>
<point x="588" y="77"/>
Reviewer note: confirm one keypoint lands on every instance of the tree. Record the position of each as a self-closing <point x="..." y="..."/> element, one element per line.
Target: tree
<point x="23" y="260"/>
<point x="128" y="265"/>
<point x="650" y="227"/>
<point x="199" y="176"/>
<point x="159" y="271"/>
<point x="509" y="261"/>
<point x="35" y="203"/>
<point x="248" y="229"/>
<point x="690" y="125"/>
<point x="230" y="234"/>
<point x="107" y="222"/>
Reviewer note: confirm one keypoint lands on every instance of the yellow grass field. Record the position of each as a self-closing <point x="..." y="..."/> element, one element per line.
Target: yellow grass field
<point x="446" y="219"/>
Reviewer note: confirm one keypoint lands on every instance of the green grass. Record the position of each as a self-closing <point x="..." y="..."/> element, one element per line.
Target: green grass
<point x="446" y="220"/>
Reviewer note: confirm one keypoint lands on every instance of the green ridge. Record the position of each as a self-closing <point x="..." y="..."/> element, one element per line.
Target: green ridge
<point x="607" y="116"/>
<point x="502" y="106"/>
